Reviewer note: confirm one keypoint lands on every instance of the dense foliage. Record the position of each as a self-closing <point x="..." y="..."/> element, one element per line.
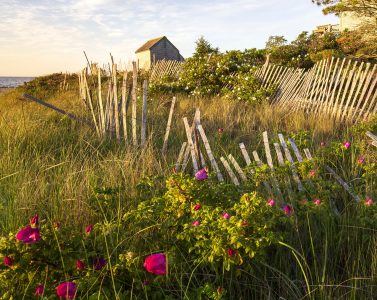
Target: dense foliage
<point x="212" y="73"/>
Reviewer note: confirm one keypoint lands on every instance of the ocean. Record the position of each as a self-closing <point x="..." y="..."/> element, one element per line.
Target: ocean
<point x="9" y="82"/>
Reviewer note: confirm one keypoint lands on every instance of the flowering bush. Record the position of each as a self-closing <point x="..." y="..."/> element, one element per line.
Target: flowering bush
<point x="209" y="72"/>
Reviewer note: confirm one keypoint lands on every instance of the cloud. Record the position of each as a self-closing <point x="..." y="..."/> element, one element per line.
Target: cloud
<point x="41" y="36"/>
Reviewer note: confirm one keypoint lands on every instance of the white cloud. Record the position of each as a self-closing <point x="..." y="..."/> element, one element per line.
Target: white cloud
<point x="42" y="36"/>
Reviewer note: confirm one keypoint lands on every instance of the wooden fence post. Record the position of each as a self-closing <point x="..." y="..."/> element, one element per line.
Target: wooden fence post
<point x="134" y="101"/>
<point x="165" y="145"/>
<point x="144" y="113"/>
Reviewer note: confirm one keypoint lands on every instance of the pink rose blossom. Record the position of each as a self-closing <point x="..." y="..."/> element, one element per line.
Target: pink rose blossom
<point x="197" y="206"/>
<point x="287" y="209"/>
<point x="271" y="202"/>
<point x="89" y="229"/>
<point x="156" y="264"/>
<point x="360" y="160"/>
<point x="317" y="202"/>
<point x="232" y="252"/>
<point x="202" y="174"/>
<point x="346" y="145"/>
<point x="225" y="216"/>
<point x="66" y="290"/>
<point x="80" y="265"/>
<point x="368" y="202"/>
<point x="39" y="290"/>
<point x="28" y="235"/>
<point x="8" y="261"/>
<point x="196" y="223"/>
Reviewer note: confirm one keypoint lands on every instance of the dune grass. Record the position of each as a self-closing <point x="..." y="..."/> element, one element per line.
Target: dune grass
<point x="53" y="166"/>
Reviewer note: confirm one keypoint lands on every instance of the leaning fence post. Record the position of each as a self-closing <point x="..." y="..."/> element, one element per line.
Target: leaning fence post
<point x="115" y="95"/>
<point x="210" y="154"/>
<point x="230" y="171"/>
<point x="189" y="139"/>
<point x="102" y="115"/>
<point x="134" y="99"/>
<point x="245" y="154"/>
<point x="180" y="156"/>
<point x="237" y="167"/>
<point x="165" y="145"/>
<point x="124" y="111"/>
<point x="144" y="114"/>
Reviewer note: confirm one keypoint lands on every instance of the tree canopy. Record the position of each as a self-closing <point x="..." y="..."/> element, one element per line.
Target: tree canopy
<point x="366" y="8"/>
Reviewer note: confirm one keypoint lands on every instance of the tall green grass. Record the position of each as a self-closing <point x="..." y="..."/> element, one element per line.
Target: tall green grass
<point x="52" y="166"/>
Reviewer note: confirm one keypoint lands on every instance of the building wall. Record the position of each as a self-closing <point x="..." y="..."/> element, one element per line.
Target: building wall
<point x="144" y="59"/>
<point x="351" y="21"/>
<point x="165" y="50"/>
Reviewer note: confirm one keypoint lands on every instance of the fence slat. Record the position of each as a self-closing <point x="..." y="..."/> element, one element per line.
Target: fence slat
<point x="165" y="145"/>
<point x="237" y="167"/>
<point x="230" y="171"/>
<point x="191" y="145"/>
<point x="210" y="154"/>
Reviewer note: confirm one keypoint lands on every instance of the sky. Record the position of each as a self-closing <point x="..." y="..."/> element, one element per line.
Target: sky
<point x="39" y="37"/>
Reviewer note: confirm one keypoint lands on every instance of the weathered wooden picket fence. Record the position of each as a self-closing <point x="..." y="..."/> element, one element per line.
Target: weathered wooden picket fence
<point x="341" y="88"/>
<point x="109" y="114"/>
<point x="284" y="152"/>
<point x="165" y="68"/>
<point x="373" y="137"/>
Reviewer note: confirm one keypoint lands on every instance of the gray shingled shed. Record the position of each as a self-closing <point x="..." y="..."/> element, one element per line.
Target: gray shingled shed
<point x="157" y="49"/>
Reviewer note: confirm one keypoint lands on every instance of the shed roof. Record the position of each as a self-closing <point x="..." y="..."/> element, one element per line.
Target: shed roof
<point x="149" y="44"/>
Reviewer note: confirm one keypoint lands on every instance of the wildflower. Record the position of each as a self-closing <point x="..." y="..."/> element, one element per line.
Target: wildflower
<point x="89" y="229"/>
<point x="219" y="290"/>
<point x="80" y="265"/>
<point x="202" y="174"/>
<point x="346" y="145"/>
<point x="8" y="261"/>
<point x="130" y="255"/>
<point x="34" y="221"/>
<point x="28" y="235"/>
<point x="244" y="223"/>
<point x="156" y="264"/>
<point x="99" y="263"/>
<point x="312" y="173"/>
<point x="271" y="202"/>
<point x="146" y="282"/>
<point x="220" y="130"/>
<point x="66" y="290"/>
<point x="287" y="209"/>
<point x="225" y="216"/>
<point x="232" y="252"/>
<point x="323" y="144"/>
<point x="368" y="202"/>
<point x="360" y="160"/>
<point x="196" y="223"/>
<point x="39" y="290"/>
<point x="304" y="201"/>
<point x="197" y="206"/>
<point x="317" y="202"/>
